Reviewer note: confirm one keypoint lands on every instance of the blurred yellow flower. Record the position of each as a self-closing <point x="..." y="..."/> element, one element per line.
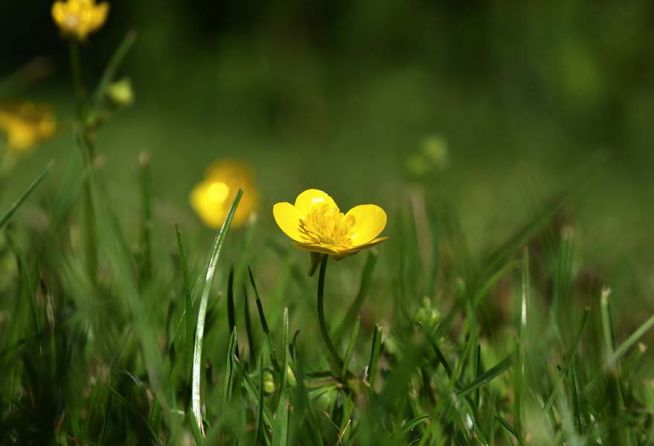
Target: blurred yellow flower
<point x="316" y="224"/>
<point x="213" y="197"/>
<point x="26" y="124"/>
<point x="79" y="18"/>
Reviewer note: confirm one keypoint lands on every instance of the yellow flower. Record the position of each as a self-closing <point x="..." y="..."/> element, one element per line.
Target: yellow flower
<point x="26" y="124"/>
<point x="316" y="224"/>
<point x="213" y="197"/>
<point x="79" y="18"/>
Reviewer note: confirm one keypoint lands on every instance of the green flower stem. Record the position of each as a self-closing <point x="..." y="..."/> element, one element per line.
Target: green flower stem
<point x="336" y="359"/>
<point x="86" y="149"/>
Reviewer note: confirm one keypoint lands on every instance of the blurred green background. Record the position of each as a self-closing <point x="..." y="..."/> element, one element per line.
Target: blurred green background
<point x="531" y="100"/>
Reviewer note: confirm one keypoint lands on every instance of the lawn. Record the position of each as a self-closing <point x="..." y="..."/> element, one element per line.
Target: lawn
<point x="179" y="263"/>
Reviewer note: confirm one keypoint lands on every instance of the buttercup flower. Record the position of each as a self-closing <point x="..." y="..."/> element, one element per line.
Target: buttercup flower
<point x="316" y="224"/>
<point x="26" y="124"/>
<point x="79" y="18"/>
<point x="213" y="197"/>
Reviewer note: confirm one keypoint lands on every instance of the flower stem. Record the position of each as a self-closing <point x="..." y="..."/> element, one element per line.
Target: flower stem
<point x="336" y="359"/>
<point x="86" y="149"/>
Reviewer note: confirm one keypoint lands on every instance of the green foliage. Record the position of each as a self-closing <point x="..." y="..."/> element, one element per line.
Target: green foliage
<point x="118" y="328"/>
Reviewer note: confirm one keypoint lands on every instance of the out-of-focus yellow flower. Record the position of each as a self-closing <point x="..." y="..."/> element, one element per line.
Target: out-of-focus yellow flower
<point x="26" y="124"/>
<point x="79" y="18"/>
<point x="213" y="197"/>
<point x="316" y="224"/>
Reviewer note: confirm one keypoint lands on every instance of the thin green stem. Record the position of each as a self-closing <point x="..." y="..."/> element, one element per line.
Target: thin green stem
<point x="76" y="70"/>
<point x="86" y="149"/>
<point x="338" y="362"/>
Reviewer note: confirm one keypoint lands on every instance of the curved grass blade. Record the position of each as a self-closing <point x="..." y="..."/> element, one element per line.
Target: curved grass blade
<point x="26" y="193"/>
<point x="196" y="402"/>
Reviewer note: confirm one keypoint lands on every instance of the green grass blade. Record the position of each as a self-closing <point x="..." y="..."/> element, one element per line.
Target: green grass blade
<point x="112" y="67"/>
<point x="248" y="325"/>
<point x="488" y="376"/>
<point x="281" y="418"/>
<point x="26" y="193"/>
<point x="264" y="323"/>
<point x="188" y="300"/>
<point x="196" y="402"/>
<point x="349" y="351"/>
<point x="145" y="242"/>
<point x="632" y="340"/>
<point x="375" y="350"/>
<point x="364" y="288"/>
<point x="232" y="353"/>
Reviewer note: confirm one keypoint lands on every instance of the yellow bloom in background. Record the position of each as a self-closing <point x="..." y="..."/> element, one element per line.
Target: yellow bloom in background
<point x="79" y="18"/>
<point x="212" y="198"/>
<point x="316" y="224"/>
<point x="26" y="124"/>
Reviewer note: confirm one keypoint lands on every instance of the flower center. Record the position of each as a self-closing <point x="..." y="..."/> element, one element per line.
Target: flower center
<point x="72" y="21"/>
<point x="326" y="225"/>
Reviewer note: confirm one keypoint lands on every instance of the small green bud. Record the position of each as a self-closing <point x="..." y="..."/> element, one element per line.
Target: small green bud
<point x="426" y="315"/>
<point x="121" y="92"/>
<point x="268" y="382"/>
<point x="290" y="376"/>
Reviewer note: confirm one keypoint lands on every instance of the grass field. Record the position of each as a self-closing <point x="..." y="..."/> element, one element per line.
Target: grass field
<point x="510" y="304"/>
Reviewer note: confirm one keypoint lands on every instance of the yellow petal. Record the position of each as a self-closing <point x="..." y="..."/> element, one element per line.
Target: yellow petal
<point x="99" y="15"/>
<point x="287" y="218"/>
<point x="211" y="212"/>
<point x="58" y="12"/>
<point x="369" y="222"/>
<point x="310" y="198"/>
<point x="352" y="251"/>
<point x="322" y="249"/>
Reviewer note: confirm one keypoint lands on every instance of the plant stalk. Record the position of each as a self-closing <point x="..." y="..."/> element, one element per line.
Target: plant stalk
<point x="336" y="359"/>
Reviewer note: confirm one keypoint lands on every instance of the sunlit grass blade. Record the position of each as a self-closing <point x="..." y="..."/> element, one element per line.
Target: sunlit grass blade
<point x="26" y="193"/>
<point x="520" y="372"/>
<point x="281" y="418"/>
<point x="196" y="402"/>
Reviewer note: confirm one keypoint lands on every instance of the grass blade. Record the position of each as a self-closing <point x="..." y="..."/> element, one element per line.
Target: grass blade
<point x="231" y="314"/>
<point x="375" y="350"/>
<point x="488" y="376"/>
<point x="26" y="193"/>
<point x="364" y="288"/>
<point x="281" y="418"/>
<point x="112" y="67"/>
<point x="188" y="302"/>
<point x="145" y="242"/>
<point x="196" y="402"/>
